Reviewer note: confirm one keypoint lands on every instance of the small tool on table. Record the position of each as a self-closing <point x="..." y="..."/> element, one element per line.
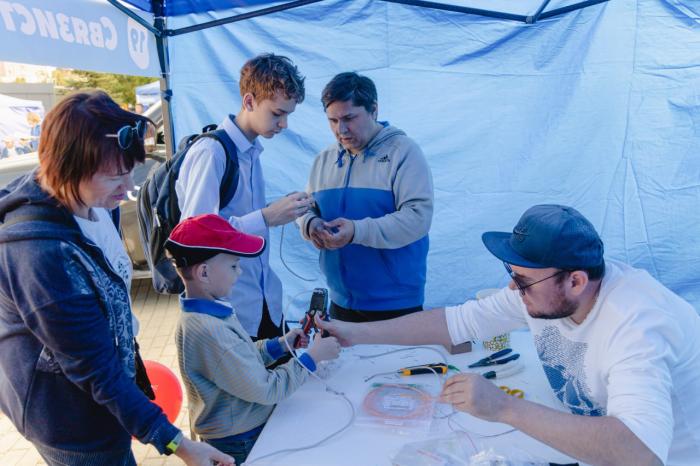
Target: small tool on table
<point x="516" y="392"/>
<point x="436" y="368"/>
<point x="496" y="359"/>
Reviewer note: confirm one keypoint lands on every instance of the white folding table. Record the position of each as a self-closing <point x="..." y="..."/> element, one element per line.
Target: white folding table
<point x="312" y="413"/>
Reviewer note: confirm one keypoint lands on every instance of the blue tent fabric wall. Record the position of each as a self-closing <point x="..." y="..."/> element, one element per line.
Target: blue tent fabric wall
<point x="598" y="109"/>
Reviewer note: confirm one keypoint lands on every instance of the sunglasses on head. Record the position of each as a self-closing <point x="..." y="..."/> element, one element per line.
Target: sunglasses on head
<point x="126" y="134"/>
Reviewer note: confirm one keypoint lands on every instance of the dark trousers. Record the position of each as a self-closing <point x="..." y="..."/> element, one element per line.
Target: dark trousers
<point x="238" y="448"/>
<point x="357" y="315"/>
<point x="267" y="328"/>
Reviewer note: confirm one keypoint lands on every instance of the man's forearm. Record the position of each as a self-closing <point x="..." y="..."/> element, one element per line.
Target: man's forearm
<point x="419" y="328"/>
<point x="595" y="440"/>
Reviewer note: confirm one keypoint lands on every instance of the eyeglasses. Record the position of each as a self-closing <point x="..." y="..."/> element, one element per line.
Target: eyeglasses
<point x="522" y="287"/>
<point x="126" y="134"/>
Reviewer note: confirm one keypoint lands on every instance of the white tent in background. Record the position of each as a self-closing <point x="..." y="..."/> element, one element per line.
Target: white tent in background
<point x="13" y="115"/>
<point x="148" y="94"/>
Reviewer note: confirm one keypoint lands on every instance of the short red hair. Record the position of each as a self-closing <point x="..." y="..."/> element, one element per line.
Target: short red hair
<point x="73" y="145"/>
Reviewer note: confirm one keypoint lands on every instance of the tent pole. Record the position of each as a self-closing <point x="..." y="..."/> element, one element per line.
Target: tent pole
<point x="533" y="19"/>
<point x="241" y="17"/>
<point x="134" y="16"/>
<point x="566" y="9"/>
<point x="166" y="92"/>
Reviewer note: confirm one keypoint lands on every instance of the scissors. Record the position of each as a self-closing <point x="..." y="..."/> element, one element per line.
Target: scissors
<point x="516" y="392"/>
<point x="495" y="359"/>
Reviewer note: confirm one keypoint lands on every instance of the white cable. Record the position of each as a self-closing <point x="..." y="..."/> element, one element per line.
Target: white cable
<point x="468" y="431"/>
<point x="507" y="371"/>
<point x="441" y="382"/>
<point x="287" y="266"/>
<point x="410" y="348"/>
<point x="352" y="407"/>
<point x="328" y="389"/>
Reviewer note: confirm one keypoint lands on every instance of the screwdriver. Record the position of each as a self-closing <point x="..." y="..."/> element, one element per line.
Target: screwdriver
<point x="436" y="368"/>
<point x="439" y="368"/>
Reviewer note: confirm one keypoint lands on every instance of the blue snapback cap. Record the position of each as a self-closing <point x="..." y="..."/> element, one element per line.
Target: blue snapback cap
<point x="548" y="235"/>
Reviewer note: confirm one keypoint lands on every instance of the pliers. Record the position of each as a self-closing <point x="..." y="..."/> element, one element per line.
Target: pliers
<point x="308" y="322"/>
<point x="494" y="360"/>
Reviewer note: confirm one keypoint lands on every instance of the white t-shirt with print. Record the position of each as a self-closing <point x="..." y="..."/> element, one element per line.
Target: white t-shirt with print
<point x="100" y="229"/>
<point x="636" y="357"/>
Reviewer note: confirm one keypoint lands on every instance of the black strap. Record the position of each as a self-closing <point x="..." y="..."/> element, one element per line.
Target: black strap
<point x="58" y="217"/>
<point x="230" y="178"/>
<point x="52" y="216"/>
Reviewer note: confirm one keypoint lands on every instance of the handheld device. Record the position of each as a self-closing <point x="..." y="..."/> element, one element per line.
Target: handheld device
<point x="318" y="305"/>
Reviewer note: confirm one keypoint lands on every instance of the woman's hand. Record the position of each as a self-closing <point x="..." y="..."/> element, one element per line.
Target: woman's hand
<point x="202" y="454"/>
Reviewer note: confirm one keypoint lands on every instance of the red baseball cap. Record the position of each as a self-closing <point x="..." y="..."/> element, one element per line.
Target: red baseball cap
<point x="199" y="238"/>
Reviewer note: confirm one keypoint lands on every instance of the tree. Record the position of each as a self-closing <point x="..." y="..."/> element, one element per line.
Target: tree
<point x="120" y="87"/>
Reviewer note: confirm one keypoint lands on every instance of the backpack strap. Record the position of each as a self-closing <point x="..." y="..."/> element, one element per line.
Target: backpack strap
<point x="229" y="181"/>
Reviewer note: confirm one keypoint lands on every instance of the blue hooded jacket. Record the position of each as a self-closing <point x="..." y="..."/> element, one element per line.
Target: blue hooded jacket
<point x="387" y="192"/>
<point x="66" y="343"/>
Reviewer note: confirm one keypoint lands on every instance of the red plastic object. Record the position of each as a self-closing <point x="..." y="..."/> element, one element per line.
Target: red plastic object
<point x="166" y="387"/>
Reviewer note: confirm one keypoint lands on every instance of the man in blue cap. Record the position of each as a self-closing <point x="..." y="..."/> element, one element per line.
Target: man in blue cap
<point x="619" y="349"/>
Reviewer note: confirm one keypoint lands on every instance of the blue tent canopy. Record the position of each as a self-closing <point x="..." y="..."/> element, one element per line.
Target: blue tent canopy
<point x="185" y="7"/>
<point x="597" y="108"/>
<point x="522" y="10"/>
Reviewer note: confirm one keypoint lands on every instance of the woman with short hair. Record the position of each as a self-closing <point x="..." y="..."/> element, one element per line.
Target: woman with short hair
<point x="67" y="356"/>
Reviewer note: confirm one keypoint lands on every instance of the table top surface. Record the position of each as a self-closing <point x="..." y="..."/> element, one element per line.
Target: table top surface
<point x="312" y="412"/>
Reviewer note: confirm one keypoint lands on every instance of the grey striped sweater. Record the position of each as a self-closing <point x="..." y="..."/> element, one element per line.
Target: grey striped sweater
<point x="229" y="389"/>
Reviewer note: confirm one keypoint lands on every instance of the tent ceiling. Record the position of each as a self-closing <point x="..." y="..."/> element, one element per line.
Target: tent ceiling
<point x="184" y="7"/>
<point x="509" y="9"/>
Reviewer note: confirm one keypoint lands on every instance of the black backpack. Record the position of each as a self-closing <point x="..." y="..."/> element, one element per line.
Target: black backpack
<point x="158" y="211"/>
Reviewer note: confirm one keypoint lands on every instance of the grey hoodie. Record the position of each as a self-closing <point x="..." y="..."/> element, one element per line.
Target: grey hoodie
<point x="387" y="191"/>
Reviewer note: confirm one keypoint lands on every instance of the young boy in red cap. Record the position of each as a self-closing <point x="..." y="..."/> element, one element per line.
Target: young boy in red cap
<point x="230" y="391"/>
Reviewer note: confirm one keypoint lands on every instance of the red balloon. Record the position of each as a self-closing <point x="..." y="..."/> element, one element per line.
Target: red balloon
<point x="166" y="387"/>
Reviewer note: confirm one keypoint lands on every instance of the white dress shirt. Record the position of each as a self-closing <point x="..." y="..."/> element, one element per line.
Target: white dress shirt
<point x="198" y="193"/>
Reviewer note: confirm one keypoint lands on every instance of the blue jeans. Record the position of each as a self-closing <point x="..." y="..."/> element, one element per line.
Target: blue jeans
<point x="239" y="449"/>
<point x="56" y="457"/>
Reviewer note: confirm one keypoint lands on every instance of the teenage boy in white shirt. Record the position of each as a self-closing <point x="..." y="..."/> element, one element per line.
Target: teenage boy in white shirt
<point x="271" y="87"/>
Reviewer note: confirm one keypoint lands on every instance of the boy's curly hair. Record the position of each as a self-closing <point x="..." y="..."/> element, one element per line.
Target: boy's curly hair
<point x="267" y="74"/>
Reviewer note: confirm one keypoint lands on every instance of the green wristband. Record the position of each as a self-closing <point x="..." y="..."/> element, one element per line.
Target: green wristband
<point x="174" y="444"/>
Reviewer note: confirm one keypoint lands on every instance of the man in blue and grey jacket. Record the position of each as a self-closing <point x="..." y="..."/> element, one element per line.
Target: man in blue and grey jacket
<point x="374" y="204"/>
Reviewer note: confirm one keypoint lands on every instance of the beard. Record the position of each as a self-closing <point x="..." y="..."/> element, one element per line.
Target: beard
<point x="559" y="307"/>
